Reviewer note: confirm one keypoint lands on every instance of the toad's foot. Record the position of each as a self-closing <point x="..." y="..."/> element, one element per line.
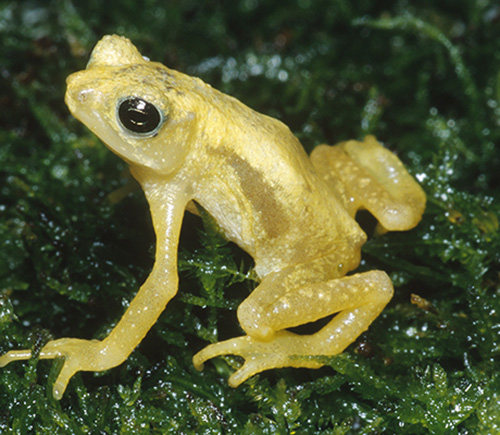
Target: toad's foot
<point x="79" y="355"/>
<point x="283" y="350"/>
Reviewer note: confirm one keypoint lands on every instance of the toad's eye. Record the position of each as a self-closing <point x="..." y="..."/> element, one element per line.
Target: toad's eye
<point x="138" y="116"/>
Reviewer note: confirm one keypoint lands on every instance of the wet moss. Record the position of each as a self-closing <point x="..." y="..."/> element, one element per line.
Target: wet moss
<point x="76" y="238"/>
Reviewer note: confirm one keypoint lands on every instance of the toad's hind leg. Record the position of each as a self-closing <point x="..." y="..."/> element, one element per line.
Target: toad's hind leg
<point x="357" y="299"/>
<point x="365" y="175"/>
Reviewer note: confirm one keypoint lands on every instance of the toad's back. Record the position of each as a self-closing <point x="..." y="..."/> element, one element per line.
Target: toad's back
<point x="262" y="189"/>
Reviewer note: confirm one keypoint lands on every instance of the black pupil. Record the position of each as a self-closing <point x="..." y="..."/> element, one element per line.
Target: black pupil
<point x="138" y="115"/>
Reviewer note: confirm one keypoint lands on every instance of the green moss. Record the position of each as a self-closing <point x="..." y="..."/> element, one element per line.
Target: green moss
<point x="76" y="239"/>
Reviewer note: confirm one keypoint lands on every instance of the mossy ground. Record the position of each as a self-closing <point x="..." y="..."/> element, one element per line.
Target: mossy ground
<point x="76" y="239"/>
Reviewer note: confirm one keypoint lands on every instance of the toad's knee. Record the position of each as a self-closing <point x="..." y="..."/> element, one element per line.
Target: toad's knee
<point x="382" y="284"/>
<point x="253" y="319"/>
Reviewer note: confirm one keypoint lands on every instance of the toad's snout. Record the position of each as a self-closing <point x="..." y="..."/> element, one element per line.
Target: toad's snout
<point x="78" y="97"/>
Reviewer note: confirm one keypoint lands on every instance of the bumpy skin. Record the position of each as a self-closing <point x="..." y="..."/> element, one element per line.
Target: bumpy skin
<point x="292" y="213"/>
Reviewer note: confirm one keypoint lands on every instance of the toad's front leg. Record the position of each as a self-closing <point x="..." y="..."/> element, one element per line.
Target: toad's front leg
<point x="167" y="209"/>
<point x="95" y="355"/>
<point x="79" y="355"/>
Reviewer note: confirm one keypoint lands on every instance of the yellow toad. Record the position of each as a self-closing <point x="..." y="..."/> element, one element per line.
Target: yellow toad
<point x="185" y="141"/>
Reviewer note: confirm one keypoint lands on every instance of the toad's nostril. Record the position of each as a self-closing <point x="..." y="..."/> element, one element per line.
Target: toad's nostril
<point x="84" y="95"/>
